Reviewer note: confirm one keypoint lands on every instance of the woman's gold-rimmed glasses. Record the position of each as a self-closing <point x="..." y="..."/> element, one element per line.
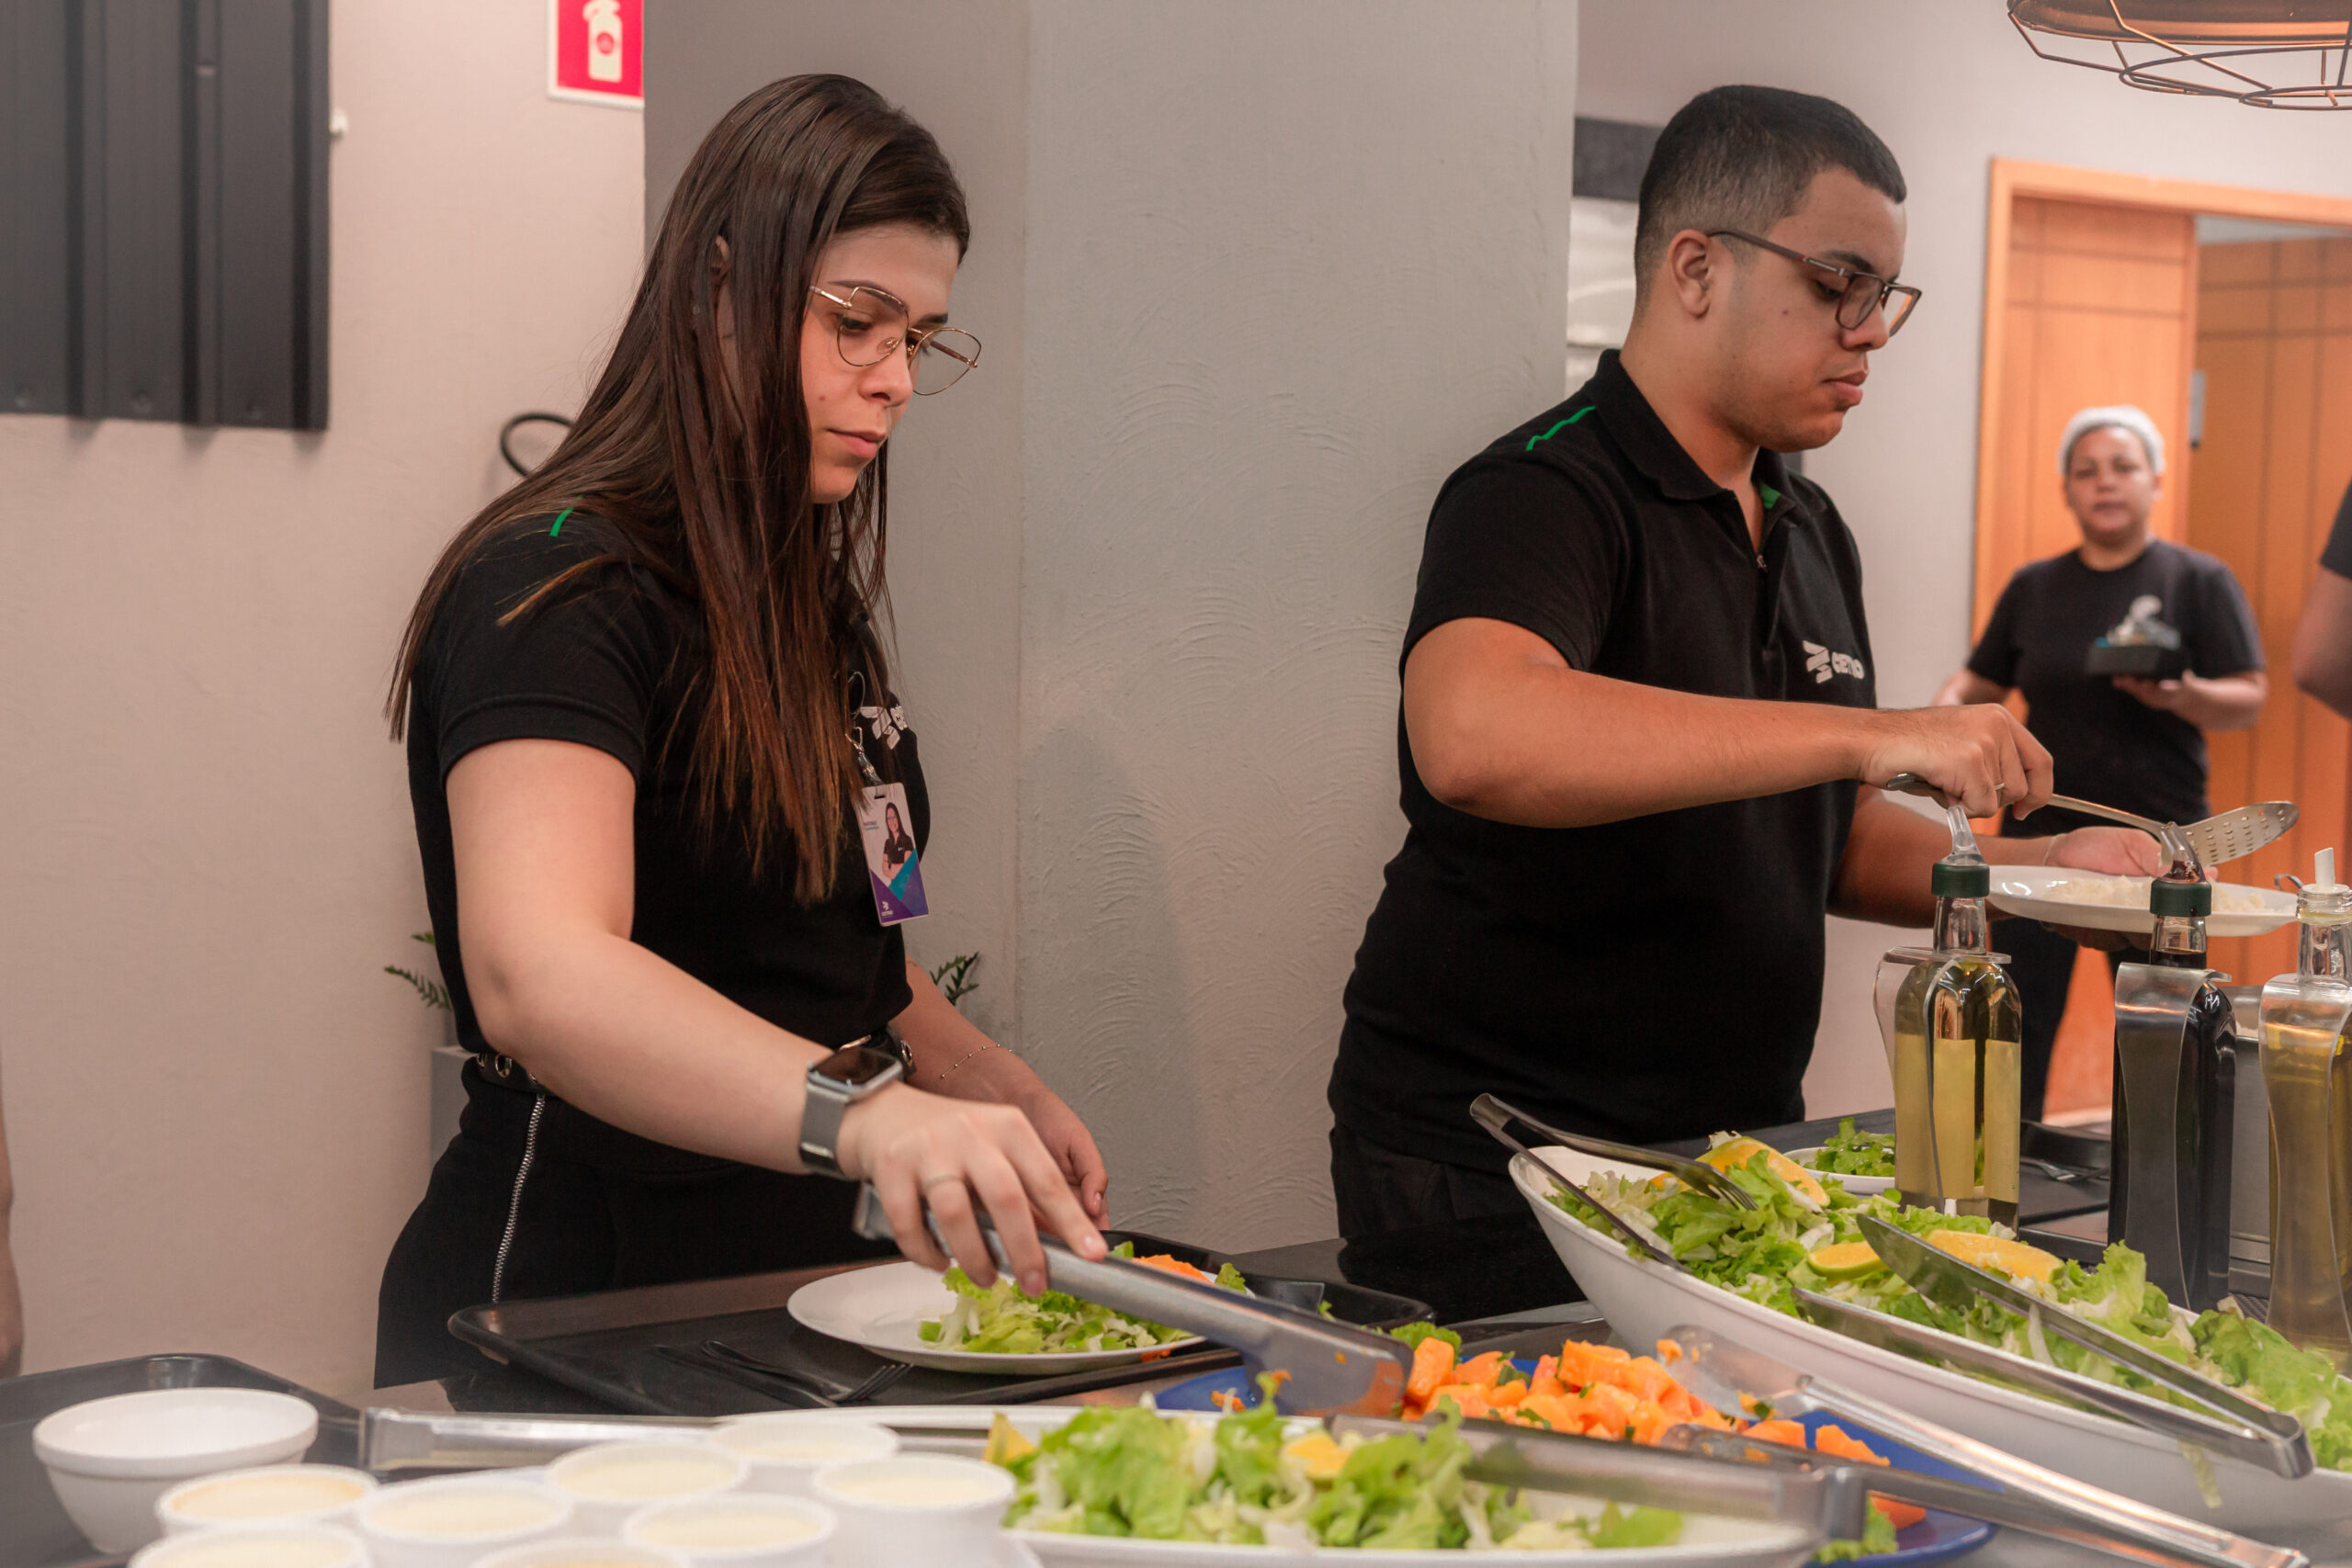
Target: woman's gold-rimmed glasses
<point x="870" y="325"/>
<point x="1859" y="292"/>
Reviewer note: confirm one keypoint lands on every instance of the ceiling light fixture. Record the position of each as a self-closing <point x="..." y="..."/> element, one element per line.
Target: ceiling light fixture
<point x="2274" y="54"/>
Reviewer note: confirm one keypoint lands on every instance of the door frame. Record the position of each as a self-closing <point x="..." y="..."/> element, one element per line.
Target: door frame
<point x="2014" y="177"/>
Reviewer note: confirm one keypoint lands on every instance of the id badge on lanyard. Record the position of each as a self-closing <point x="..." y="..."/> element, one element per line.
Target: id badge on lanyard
<point x="885" y="832"/>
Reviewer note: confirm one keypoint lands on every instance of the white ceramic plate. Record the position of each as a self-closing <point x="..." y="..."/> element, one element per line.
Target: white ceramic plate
<point x="879" y="1308"/>
<point x="2040" y="893"/>
<point x="1644" y="1301"/>
<point x="1860" y="1186"/>
<point x="1709" y="1540"/>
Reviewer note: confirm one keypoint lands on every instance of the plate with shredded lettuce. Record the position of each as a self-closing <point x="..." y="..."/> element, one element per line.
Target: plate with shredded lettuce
<point x="1134" y="1485"/>
<point x="906" y="1313"/>
<point x="1862" y="1162"/>
<point x="1746" y="1266"/>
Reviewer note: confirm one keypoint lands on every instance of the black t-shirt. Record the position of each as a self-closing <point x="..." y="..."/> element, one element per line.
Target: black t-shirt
<point x="1647" y="979"/>
<point x="2105" y="744"/>
<point x="604" y="662"/>
<point x="2337" y="556"/>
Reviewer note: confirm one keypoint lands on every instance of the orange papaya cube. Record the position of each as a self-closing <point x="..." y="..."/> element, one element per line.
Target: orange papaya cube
<point x="1480" y="1369"/>
<point x="1583" y="1362"/>
<point x="1432" y="1365"/>
<point x="1646" y="1379"/>
<point x="1778" y="1431"/>
<point x="1560" y="1412"/>
<point x="1503" y="1395"/>
<point x="1902" y="1516"/>
<point x="1832" y="1439"/>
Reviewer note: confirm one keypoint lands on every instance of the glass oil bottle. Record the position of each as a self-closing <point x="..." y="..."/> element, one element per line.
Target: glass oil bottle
<point x="2305" y="1019"/>
<point x="1953" y="1043"/>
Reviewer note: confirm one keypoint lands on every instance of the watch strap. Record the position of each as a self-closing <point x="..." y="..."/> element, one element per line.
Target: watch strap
<point x="820" y="1126"/>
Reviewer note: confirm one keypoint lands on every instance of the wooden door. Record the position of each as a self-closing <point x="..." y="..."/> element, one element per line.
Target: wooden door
<point x="2098" y="305"/>
<point x="2274" y="340"/>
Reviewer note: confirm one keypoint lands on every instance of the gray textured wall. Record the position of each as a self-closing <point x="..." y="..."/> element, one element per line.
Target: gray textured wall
<point x="1281" y="268"/>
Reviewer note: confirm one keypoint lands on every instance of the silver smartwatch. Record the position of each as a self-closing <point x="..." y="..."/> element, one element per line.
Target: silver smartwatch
<point x="835" y="1084"/>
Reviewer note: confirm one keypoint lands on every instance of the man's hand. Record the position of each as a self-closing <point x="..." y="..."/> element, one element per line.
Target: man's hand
<point x="1979" y="755"/>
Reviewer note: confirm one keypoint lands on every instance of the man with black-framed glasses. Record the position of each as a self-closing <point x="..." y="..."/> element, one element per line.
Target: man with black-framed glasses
<point x="1639" y="729"/>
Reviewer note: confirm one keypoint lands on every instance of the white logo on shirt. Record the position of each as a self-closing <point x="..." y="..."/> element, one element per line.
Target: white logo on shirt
<point x="887" y="727"/>
<point x="1824" y="663"/>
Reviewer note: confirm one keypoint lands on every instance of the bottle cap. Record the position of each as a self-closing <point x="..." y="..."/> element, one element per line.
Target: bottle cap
<point x="1962" y="879"/>
<point x="2167" y="897"/>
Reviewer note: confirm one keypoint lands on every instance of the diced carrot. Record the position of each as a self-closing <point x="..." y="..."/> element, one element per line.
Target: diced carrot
<point x="1481" y="1369"/>
<point x="1668" y="1352"/>
<point x="1582" y="1361"/>
<point x="1614" y="1406"/>
<point x="1173" y="1265"/>
<point x="1778" y="1431"/>
<point x="1902" y="1516"/>
<point x="1433" y="1364"/>
<point x="1471" y="1402"/>
<point x="1561" y="1413"/>
<point x="1645" y="1378"/>
<point x="1829" y="1439"/>
<point x="1651" y="1422"/>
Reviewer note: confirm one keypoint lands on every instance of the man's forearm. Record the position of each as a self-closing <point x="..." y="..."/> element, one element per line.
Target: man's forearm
<point x="1561" y="749"/>
<point x="1884" y="874"/>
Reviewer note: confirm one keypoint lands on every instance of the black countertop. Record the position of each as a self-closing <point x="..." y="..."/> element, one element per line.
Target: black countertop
<point x="1487" y="1267"/>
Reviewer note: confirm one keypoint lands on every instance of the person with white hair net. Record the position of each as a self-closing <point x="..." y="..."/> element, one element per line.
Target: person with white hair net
<point x="2127" y="648"/>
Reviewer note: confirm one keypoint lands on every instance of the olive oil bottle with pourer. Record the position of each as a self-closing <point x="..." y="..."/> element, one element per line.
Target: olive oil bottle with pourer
<point x="2175" y="1085"/>
<point x="1951" y="1020"/>
<point x="2305" y="1019"/>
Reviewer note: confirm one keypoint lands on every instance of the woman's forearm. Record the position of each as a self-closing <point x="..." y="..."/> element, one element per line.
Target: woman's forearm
<point x="2224" y="703"/>
<point x="633" y="1040"/>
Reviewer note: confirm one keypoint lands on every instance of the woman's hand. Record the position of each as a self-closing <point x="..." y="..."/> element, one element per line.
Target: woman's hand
<point x="919" y="1149"/>
<point x="2115" y="852"/>
<point x="1001" y="1076"/>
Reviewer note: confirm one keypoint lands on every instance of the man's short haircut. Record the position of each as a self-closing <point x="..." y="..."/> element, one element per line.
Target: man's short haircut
<point x="1741" y="158"/>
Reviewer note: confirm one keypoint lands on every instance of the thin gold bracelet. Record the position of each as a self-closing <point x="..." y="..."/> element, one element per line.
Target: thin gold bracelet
<point x="949" y="1071"/>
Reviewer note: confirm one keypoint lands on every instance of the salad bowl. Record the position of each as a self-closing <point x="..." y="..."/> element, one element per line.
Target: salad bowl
<point x="1642" y="1302"/>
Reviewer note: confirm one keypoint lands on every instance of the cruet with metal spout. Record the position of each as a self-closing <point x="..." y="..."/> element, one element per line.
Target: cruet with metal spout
<point x="2306" y="1020"/>
<point x="1950" y="1018"/>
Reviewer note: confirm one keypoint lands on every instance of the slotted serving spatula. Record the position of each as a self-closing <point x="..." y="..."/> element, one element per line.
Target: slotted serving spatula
<point x="2238" y="831"/>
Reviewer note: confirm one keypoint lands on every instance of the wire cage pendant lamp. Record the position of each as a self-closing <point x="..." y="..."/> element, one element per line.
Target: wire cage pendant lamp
<point x="2274" y="54"/>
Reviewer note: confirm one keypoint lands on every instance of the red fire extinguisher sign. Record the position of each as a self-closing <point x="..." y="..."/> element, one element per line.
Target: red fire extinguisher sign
<point x="597" y="51"/>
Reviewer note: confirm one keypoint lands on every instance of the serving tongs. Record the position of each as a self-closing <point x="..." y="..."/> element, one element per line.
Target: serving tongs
<point x="1325" y="1366"/>
<point x="1828" y="1502"/>
<point x="1497" y="1115"/>
<point x="2015" y="1491"/>
<point x="2222" y="1419"/>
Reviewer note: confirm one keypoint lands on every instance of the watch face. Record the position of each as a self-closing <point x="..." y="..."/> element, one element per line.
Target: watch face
<point x="857" y="1066"/>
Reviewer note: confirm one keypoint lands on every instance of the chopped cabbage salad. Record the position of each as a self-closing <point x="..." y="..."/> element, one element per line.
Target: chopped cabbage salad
<point x="1765" y="1254"/>
<point x="1002" y="1320"/>
<point x="1248" y="1478"/>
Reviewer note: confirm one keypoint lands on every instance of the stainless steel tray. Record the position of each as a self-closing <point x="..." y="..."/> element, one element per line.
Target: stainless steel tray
<point x="605" y="1345"/>
<point x="34" y="1531"/>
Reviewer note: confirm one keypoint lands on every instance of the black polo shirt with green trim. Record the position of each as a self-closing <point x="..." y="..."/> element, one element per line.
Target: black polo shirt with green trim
<point x="1649" y="979"/>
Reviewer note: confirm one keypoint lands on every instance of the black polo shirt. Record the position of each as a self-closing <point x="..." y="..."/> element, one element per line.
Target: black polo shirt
<point x="1647" y="979"/>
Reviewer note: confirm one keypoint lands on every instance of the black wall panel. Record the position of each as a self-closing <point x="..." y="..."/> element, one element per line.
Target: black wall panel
<point x="166" y="190"/>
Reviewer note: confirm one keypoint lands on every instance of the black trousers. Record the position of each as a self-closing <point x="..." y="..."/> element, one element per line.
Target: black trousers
<point x="1381" y="1189"/>
<point x="2041" y="967"/>
<point x="598" y="1210"/>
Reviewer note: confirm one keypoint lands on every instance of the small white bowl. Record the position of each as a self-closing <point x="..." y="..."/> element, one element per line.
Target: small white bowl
<point x="453" y="1521"/>
<point x="936" y="1509"/>
<point x="111" y="1459"/>
<point x="272" y="1495"/>
<point x="606" y="1483"/>
<point x="747" y="1530"/>
<point x="580" y="1551"/>
<point x="257" y="1546"/>
<point x="1859" y="1186"/>
<point x="784" y="1447"/>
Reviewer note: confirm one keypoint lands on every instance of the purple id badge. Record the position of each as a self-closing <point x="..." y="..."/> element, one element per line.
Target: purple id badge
<point x="891" y="863"/>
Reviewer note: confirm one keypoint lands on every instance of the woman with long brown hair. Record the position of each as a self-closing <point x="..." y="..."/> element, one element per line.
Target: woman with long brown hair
<point x="647" y="713"/>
